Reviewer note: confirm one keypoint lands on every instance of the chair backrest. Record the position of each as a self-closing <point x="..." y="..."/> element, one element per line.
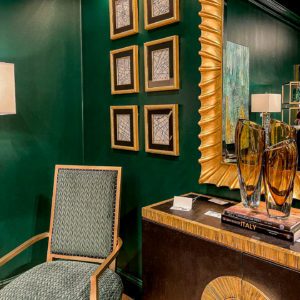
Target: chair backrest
<point x="85" y="213"/>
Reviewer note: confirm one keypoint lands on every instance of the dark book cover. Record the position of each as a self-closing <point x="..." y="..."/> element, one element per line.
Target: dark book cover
<point x="281" y="234"/>
<point x="260" y="216"/>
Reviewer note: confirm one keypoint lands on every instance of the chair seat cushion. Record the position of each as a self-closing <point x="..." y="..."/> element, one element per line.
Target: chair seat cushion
<point x="66" y="280"/>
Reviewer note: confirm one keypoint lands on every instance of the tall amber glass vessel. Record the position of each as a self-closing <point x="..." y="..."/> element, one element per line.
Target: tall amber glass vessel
<point x="250" y="143"/>
<point x="281" y="159"/>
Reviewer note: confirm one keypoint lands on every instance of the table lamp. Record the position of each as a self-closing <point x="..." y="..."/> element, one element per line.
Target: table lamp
<point x="265" y="104"/>
<point x="7" y="89"/>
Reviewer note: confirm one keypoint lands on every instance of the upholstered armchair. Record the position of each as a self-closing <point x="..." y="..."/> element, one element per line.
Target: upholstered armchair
<point x="83" y="240"/>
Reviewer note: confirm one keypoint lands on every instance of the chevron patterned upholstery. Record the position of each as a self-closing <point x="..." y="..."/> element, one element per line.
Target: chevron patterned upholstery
<point x="84" y="212"/>
<point x="62" y="280"/>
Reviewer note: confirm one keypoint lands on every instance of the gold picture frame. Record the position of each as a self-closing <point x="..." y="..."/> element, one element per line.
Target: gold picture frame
<point x="161" y="19"/>
<point x="128" y="139"/>
<point x="123" y="24"/>
<point x="162" y="76"/>
<point x="124" y="70"/>
<point x="213" y="169"/>
<point x="163" y="136"/>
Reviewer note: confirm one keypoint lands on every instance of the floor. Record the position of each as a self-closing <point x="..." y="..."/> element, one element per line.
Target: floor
<point x="125" y="297"/>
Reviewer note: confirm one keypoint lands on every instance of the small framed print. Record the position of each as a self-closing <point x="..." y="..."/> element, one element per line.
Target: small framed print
<point x="123" y="18"/>
<point x="161" y="129"/>
<point x="124" y="127"/>
<point x="162" y="64"/>
<point x="159" y="13"/>
<point x="124" y="70"/>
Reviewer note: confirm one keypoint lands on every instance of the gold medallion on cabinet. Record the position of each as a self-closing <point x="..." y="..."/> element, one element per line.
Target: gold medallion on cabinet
<point x="232" y="288"/>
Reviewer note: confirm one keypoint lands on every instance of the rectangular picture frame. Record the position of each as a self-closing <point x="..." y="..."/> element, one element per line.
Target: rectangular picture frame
<point x="124" y="70"/>
<point x="124" y="127"/>
<point x="158" y="13"/>
<point x="162" y="129"/>
<point x="161" y="59"/>
<point x="123" y="18"/>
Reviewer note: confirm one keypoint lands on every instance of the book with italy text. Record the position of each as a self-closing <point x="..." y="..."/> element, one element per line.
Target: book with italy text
<point x="258" y="220"/>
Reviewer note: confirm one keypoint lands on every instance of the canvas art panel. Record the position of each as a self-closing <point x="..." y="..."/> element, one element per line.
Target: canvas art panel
<point x="161" y="129"/>
<point x="236" y="93"/>
<point x="123" y="18"/>
<point x="124" y="127"/>
<point x="162" y="64"/>
<point x="124" y="70"/>
<point x="158" y="13"/>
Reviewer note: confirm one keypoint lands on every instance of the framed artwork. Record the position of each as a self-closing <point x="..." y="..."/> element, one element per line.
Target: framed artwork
<point x="161" y="129"/>
<point x="124" y="70"/>
<point x="159" y="13"/>
<point x="162" y="64"/>
<point x="124" y="127"/>
<point x="123" y="18"/>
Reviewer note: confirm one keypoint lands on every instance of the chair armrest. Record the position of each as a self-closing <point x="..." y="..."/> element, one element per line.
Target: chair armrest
<point x="97" y="273"/>
<point x="6" y="258"/>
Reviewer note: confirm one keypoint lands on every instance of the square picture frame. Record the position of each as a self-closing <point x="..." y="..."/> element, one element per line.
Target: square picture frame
<point x="161" y="129"/>
<point x="124" y="70"/>
<point x="123" y="18"/>
<point x="158" y="13"/>
<point x="161" y="58"/>
<point x="124" y="127"/>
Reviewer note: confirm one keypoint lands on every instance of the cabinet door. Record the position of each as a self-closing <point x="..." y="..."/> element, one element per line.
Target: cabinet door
<point x="276" y="282"/>
<point x="179" y="266"/>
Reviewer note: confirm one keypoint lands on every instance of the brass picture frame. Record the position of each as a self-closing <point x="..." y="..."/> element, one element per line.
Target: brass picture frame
<point x="160" y="13"/>
<point x="124" y="127"/>
<point x="124" y="70"/>
<point x="161" y="129"/>
<point x="161" y="58"/>
<point x="123" y="18"/>
<point x="213" y="169"/>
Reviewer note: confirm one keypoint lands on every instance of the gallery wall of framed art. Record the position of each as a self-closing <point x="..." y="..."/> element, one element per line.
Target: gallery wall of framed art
<point x="161" y="73"/>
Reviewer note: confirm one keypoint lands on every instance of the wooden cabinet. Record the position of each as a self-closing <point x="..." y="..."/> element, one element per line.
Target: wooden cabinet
<point x="183" y="253"/>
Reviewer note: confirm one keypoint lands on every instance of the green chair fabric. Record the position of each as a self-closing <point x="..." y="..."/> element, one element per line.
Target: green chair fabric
<point x="62" y="280"/>
<point x="84" y="213"/>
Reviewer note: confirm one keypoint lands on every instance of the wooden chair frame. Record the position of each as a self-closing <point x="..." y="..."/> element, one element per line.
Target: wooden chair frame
<point x="109" y="262"/>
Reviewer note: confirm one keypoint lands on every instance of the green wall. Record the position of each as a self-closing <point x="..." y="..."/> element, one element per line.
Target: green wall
<point x="42" y="38"/>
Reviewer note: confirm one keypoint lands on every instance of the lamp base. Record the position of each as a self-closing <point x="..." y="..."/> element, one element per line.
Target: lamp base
<point x="266" y="118"/>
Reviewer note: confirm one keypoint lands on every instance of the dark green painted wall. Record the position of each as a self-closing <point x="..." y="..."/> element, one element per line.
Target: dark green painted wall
<point x="42" y="38"/>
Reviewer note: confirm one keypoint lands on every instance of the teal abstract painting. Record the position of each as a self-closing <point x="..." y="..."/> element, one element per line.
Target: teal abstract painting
<point x="235" y="88"/>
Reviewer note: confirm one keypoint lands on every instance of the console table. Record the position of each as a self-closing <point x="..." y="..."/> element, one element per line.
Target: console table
<point x="191" y="255"/>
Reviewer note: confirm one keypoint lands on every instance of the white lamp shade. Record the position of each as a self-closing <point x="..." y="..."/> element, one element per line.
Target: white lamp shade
<point x="7" y="89"/>
<point x="266" y="103"/>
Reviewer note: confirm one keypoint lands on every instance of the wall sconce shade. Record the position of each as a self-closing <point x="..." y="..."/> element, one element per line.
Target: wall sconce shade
<point x="7" y="89"/>
<point x="266" y="103"/>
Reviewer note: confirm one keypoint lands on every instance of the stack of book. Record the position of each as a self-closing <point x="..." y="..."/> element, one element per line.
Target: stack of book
<point x="258" y="220"/>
